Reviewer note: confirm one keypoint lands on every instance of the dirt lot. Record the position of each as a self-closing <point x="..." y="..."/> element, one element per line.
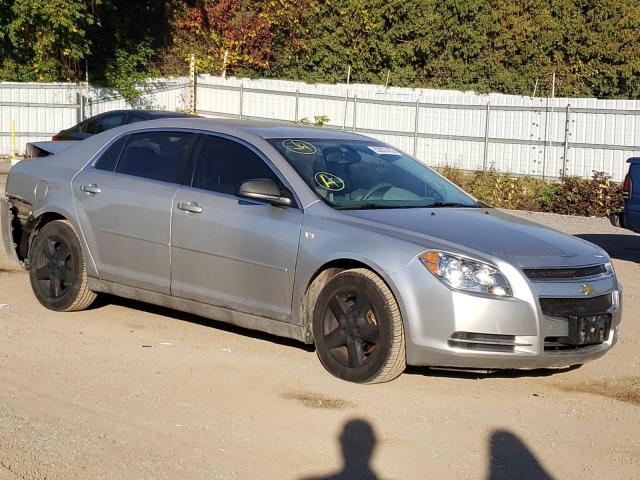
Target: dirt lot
<point x="131" y="391"/>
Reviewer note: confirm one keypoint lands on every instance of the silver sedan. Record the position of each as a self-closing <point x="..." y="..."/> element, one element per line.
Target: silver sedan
<point x="327" y="237"/>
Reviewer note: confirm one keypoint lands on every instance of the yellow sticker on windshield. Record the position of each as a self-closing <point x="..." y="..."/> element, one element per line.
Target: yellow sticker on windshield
<point x="329" y="181"/>
<point x="299" y="146"/>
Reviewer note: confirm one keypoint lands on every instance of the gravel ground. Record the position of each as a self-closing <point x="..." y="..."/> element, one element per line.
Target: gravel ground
<point x="127" y="390"/>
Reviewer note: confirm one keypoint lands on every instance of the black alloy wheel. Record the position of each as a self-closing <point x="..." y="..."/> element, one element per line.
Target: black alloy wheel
<point x="358" y="329"/>
<point x="57" y="269"/>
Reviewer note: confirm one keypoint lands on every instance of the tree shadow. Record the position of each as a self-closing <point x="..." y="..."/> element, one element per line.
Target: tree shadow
<point x="511" y="459"/>
<point x="358" y="442"/>
<point x="620" y="246"/>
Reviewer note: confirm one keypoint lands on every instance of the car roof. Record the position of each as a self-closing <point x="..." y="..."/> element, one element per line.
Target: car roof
<point x="260" y="128"/>
<point x="634" y="160"/>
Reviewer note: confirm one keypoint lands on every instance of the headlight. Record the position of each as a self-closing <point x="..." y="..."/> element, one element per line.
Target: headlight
<point x="463" y="273"/>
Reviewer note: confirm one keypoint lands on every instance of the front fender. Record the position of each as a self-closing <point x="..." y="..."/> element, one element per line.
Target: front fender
<point x="321" y="245"/>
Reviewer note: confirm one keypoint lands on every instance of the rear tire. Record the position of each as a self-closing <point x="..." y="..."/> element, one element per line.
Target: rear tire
<point x="57" y="268"/>
<point x="357" y="328"/>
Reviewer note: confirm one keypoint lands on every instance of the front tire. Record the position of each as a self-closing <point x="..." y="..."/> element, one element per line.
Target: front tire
<point x="57" y="269"/>
<point x="357" y="328"/>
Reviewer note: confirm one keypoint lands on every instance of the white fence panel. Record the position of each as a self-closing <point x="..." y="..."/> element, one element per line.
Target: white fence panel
<point x="520" y="135"/>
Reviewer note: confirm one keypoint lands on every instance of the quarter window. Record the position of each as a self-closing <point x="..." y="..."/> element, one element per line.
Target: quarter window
<point x="224" y="164"/>
<point x="157" y="155"/>
<point x="109" y="158"/>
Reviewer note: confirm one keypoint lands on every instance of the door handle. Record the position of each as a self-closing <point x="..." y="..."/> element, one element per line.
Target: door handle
<point x="92" y="188"/>
<point x="190" y="207"/>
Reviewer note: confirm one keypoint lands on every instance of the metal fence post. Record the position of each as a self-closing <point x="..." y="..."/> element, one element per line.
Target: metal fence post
<point x="241" y="99"/>
<point x="415" y="128"/>
<point x="296" y="116"/>
<point x="355" y="109"/>
<point x="80" y="112"/>
<point x="344" y="117"/>
<point x="566" y="140"/>
<point x="546" y="130"/>
<point x="486" y="136"/>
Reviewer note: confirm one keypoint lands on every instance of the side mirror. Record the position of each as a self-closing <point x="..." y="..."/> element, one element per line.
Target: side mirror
<point x="264" y="189"/>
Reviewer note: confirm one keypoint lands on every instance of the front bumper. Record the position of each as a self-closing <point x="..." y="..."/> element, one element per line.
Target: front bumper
<point x="434" y="314"/>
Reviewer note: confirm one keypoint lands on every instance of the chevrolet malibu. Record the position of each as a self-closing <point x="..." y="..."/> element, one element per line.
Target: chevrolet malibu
<point x="327" y="237"/>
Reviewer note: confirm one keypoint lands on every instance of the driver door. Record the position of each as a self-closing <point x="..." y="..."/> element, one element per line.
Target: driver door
<point x="230" y="251"/>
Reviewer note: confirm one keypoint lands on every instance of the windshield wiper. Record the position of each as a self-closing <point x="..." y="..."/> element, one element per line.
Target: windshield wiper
<point x="449" y="205"/>
<point x="375" y="206"/>
<point x="368" y="206"/>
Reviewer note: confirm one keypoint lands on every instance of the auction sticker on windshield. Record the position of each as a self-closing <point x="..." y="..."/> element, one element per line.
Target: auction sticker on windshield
<point x="329" y="181"/>
<point x="380" y="150"/>
<point x="299" y="146"/>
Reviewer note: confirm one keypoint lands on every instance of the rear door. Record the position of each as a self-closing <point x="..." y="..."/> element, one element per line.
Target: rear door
<point x="231" y="251"/>
<point x="124" y="204"/>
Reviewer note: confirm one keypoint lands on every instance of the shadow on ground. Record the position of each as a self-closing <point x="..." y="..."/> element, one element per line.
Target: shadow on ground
<point x="621" y="247"/>
<point x="104" y="300"/>
<point x="482" y="374"/>
<point x="358" y="443"/>
<point x="509" y="457"/>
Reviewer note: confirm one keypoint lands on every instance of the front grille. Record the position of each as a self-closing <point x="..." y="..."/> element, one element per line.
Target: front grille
<point x="565" y="273"/>
<point x="484" y="341"/>
<point x="566" y="307"/>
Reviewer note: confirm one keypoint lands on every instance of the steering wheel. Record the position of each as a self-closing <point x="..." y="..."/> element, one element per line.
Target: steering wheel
<point x="375" y="188"/>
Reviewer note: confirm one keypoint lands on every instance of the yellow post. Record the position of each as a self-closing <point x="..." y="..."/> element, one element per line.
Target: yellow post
<point x="13" y="142"/>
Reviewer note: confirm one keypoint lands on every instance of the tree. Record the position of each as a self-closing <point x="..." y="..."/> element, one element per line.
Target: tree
<point x="246" y="37"/>
<point x="44" y="40"/>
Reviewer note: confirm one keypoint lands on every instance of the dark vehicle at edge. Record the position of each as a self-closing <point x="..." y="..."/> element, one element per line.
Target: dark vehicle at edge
<point x="629" y="217"/>
<point x="115" y="118"/>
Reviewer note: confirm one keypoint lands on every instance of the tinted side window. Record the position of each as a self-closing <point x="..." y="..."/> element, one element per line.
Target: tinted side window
<point x="224" y="164"/>
<point x="133" y="118"/>
<point x="157" y="155"/>
<point x="109" y="157"/>
<point x="104" y="123"/>
<point x="91" y="127"/>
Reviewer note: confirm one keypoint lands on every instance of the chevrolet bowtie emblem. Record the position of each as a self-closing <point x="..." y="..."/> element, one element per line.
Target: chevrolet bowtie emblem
<point x="586" y="289"/>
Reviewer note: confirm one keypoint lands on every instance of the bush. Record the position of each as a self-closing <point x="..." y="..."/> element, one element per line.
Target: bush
<point x="597" y="196"/>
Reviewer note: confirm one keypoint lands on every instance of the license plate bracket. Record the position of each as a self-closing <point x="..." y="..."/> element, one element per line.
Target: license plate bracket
<point x="588" y="330"/>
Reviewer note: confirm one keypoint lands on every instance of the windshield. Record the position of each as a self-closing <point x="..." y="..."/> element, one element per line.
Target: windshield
<point x="362" y="174"/>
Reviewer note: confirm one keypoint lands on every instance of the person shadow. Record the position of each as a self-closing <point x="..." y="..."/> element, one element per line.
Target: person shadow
<point x="358" y="442"/>
<point x="511" y="459"/>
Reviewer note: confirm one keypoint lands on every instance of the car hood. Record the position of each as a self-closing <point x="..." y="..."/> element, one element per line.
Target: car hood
<point x="490" y="232"/>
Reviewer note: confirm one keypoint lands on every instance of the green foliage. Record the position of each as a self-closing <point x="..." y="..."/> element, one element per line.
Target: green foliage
<point x="318" y="120"/>
<point x="129" y="75"/>
<point x="598" y="196"/>
<point x="482" y="45"/>
<point x="43" y="40"/>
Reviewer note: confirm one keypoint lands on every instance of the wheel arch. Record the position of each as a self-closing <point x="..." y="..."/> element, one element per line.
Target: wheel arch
<point x="328" y="270"/>
<point x="29" y="224"/>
